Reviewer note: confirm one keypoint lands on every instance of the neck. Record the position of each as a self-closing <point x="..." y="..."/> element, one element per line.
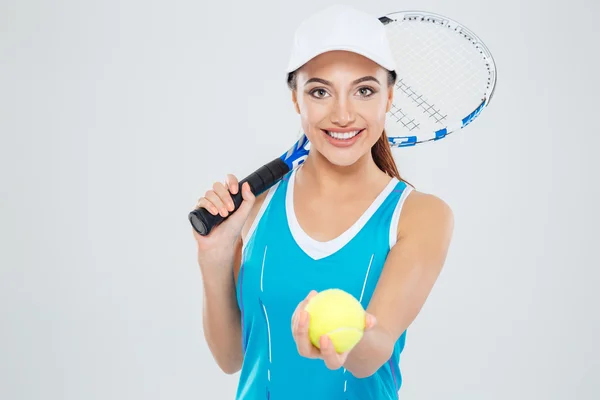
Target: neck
<point x="328" y="179"/>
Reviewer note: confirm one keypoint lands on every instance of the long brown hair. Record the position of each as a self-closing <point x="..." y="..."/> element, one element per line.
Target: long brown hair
<point x="382" y="155"/>
<point x="381" y="151"/>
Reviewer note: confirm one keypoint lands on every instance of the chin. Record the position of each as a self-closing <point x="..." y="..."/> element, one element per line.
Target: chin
<point x="342" y="160"/>
<point x="343" y="157"/>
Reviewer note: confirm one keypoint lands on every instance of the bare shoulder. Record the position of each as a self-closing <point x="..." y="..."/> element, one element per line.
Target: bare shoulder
<point x="426" y="213"/>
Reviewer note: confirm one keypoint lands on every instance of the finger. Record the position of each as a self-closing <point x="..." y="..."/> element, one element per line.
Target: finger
<point x="308" y="297"/>
<point x="370" y="321"/>
<point x="300" y="334"/>
<point x="232" y="183"/>
<point x="331" y="358"/>
<point x="247" y="193"/>
<point x="204" y="203"/>
<point x="217" y="202"/>
<point x="299" y="308"/>
<point x="248" y="201"/>
<point x="302" y="305"/>
<point x="301" y="326"/>
<point x="294" y="321"/>
<point x="224" y="195"/>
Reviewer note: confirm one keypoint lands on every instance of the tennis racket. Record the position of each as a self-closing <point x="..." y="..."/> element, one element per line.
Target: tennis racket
<point x="446" y="77"/>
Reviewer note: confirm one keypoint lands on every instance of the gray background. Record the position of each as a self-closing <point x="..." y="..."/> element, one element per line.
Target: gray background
<point x="116" y="115"/>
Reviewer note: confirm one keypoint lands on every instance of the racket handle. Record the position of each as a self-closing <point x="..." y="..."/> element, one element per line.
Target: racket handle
<point x="260" y="180"/>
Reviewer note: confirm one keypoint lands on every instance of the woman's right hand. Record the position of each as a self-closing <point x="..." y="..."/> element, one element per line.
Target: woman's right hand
<point x="218" y="200"/>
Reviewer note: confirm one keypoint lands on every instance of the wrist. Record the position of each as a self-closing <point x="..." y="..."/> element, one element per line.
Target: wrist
<point x="374" y="349"/>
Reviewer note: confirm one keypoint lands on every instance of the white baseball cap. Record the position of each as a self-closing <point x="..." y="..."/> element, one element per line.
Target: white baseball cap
<point x="341" y="27"/>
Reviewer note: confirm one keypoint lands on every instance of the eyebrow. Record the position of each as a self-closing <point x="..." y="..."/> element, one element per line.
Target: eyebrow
<point x="357" y="81"/>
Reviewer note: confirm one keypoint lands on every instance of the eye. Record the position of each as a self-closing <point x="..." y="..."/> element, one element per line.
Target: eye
<point x="319" y="93"/>
<point x="366" y="91"/>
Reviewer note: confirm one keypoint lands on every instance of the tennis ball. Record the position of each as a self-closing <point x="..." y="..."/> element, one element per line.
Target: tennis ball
<point x="337" y="314"/>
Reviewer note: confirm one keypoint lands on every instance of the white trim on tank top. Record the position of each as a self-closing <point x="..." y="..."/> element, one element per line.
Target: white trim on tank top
<point x="316" y="249"/>
<point x="396" y="216"/>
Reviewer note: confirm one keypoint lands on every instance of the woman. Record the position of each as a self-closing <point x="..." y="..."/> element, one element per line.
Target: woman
<point x="344" y="219"/>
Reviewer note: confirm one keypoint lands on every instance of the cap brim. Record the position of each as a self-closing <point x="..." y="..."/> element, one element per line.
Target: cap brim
<point x="385" y="63"/>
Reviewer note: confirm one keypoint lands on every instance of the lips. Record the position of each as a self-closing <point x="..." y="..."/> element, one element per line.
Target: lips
<point x="343" y="139"/>
<point x="343" y="135"/>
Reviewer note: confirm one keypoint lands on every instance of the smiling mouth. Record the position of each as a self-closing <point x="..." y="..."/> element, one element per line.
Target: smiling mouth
<point x="343" y="135"/>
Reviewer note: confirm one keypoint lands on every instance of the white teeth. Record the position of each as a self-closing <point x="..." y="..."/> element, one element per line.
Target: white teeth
<point x="343" y="136"/>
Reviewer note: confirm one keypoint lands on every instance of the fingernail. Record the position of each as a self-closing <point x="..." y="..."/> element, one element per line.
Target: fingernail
<point x="373" y="320"/>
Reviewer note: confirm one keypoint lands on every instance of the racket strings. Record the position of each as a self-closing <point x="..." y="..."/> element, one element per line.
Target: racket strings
<point x="441" y="75"/>
<point x="420" y="102"/>
<point x="401" y="117"/>
<point x="448" y="77"/>
<point x="407" y="56"/>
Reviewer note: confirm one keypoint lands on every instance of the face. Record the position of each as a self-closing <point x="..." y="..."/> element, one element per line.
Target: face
<point x="342" y="99"/>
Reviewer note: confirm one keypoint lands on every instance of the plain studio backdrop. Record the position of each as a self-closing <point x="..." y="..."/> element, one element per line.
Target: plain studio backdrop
<point x="115" y="116"/>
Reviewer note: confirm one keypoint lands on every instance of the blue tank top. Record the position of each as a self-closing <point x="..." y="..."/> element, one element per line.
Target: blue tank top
<point x="280" y="265"/>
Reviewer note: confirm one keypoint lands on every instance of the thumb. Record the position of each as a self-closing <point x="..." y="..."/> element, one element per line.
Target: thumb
<point x="243" y="211"/>
<point x="370" y="321"/>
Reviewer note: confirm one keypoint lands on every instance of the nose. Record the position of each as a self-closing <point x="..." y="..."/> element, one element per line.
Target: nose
<point x="342" y="113"/>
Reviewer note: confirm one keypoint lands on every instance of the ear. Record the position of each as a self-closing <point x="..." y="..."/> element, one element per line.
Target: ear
<point x="295" y="101"/>
<point x="390" y="99"/>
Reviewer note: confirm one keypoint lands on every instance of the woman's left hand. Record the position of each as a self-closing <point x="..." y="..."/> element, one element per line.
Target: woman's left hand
<point x="300" y="323"/>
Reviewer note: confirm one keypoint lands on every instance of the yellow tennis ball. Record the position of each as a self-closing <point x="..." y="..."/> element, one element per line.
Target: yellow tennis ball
<point x="337" y="314"/>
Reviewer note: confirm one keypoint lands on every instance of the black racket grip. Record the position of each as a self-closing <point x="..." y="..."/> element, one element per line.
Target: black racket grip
<point x="260" y="180"/>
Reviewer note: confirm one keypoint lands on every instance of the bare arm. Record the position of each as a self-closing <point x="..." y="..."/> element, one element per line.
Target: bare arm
<point x="221" y="315"/>
<point x="411" y="269"/>
<point x="219" y="257"/>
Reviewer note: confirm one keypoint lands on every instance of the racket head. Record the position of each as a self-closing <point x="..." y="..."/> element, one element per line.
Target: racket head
<point x="446" y="76"/>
